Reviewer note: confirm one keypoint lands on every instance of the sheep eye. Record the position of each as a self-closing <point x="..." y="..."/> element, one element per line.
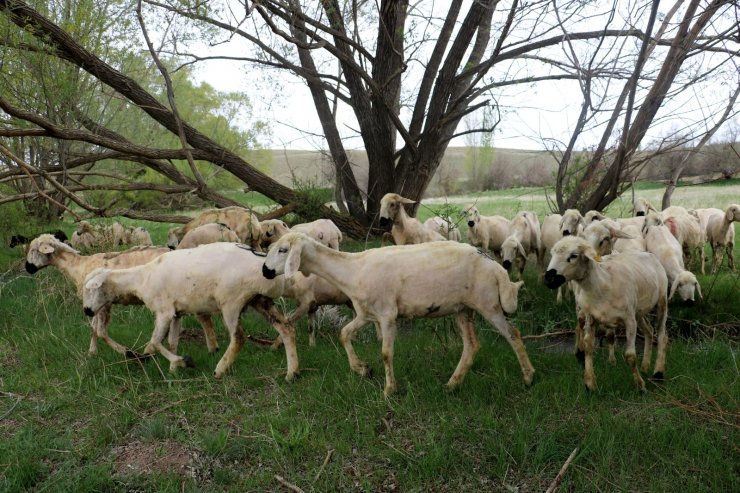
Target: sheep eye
<point x="282" y="250"/>
<point x="573" y="256"/>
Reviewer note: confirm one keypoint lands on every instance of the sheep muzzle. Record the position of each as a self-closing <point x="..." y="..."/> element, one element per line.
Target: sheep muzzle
<point x="267" y="272"/>
<point x="566" y="232"/>
<point x="385" y="222"/>
<point x="553" y="280"/>
<point x="471" y="224"/>
<point x="506" y="264"/>
<point x="89" y="312"/>
<point x="31" y="268"/>
<point x="640" y="213"/>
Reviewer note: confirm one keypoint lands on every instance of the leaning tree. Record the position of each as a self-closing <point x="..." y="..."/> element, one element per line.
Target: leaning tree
<point x="402" y="76"/>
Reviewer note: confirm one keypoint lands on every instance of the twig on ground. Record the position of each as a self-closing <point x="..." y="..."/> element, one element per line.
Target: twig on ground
<point x="555" y="482"/>
<point x="290" y="486"/>
<point x="549" y="334"/>
<point x="329" y="453"/>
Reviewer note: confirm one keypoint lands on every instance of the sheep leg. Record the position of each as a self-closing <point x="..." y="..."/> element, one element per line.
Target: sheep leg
<point x="647" y="353"/>
<point x="388" y="329"/>
<point x="580" y="348"/>
<point x="173" y="336"/>
<point x="512" y="336"/>
<point x="659" y="372"/>
<point x="716" y="258"/>
<point x="93" y="349"/>
<point x="589" y="377"/>
<point x="610" y="338"/>
<point x="471" y="345"/>
<point x="730" y="256"/>
<point x="346" y="336"/>
<point x="161" y="326"/>
<point x="630" y="353"/>
<point x="267" y="309"/>
<point x="211" y="339"/>
<point x="101" y="321"/>
<point x="703" y="257"/>
<point x="236" y="339"/>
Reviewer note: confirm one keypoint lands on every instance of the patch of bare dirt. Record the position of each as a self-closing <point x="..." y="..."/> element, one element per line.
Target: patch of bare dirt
<point x="165" y="457"/>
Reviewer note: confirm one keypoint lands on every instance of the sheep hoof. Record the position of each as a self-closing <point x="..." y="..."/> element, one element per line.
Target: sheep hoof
<point x="658" y="376"/>
<point x="291" y="377"/>
<point x="581" y="357"/>
<point x="188" y="361"/>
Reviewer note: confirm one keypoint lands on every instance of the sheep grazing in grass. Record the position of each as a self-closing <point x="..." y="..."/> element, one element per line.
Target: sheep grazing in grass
<point x="524" y="238"/>
<point x="444" y="226"/>
<point x="215" y="278"/>
<point x="417" y="281"/>
<point x="405" y="230"/>
<point x="660" y="242"/>
<point x="47" y="251"/>
<point x="618" y="291"/>
<point x="207" y="233"/>
<point x="486" y="232"/>
<point x="721" y="233"/>
<point x="242" y="221"/>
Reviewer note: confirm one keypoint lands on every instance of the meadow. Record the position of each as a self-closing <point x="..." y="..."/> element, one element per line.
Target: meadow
<point x="70" y="422"/>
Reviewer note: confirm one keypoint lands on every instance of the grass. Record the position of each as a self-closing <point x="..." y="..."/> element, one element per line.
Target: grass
<point x="70" y="422"/>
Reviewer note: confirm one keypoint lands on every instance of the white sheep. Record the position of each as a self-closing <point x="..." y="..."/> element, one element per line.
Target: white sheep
<point x="405" y="230"/>
<point x="592" y="216"/>
<point x="550" y="234"/>
<point x="207" y="233"/>
<point x="660" y="242"/>
<point x="602" y="236"/>
<point x="322" y="230"/>
<point x="242" y="221"/>
<point x="84" y="236"/>
<point x="721" y="233"/>
<point x="139" y="236"/>
<point x="486" y="232"/>
<point x="571" y="222"/>
<point x="641" y="207"/>
<point x="687" y="230"/>
<point x="524" y="238"/>
<point x="444" y="226"/>
<point x="416" y="281"/>
<point x="271" y="231"/>
<point x="47" y="250"/>
<point x="618" y="291"/>
<point x="215" y="278"/>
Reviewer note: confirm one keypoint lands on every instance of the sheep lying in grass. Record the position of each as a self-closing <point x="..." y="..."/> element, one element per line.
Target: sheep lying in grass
<point x="618" y="291"/>
<point x="523" y="239"/>
<point x="405" y="230"/>
<point x="444" y="226"/>
<point x="661" y="243"/>
<point x="47" y="250"/>
<point x="721" y="233"/>
<point x="486" y="232"/>
<point x="216" y="278"/>
<point x="399" y="281"/>
<point x="106" y="236"/>
<point x="207" y="233"/>
<point x="240" y="220"/>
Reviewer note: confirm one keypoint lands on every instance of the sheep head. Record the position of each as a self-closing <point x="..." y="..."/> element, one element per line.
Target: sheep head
<point x="285" y="256"/>
<point x="174" y="236"/>
<point x="685" y="284"/>
<point x="571" y="259"/>
<point x="652" y="219"/>
<point x="732" y="213"/>
<point x="473" y="215"/>
<point x="641" y="207"/>
<point x="390" y="207"/>
<point x="592" y="216"/>
<point x="601" y="237"/>
<point x="511" y="248"/>
<point x="94" y="292"/>
<point x="41" y="251"/>
<point x="572" y="218"/>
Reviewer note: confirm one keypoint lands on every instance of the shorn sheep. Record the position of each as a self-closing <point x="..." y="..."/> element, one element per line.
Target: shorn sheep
<point x="523" y="239"/>
<point x="47" y="250"/>
<point x="486" y="232"/>
<point x="242" y="221"/>
<point x="322" y="230"/>
<point x="618" y="291"/>
<point x="687" y="229"/>
<point x="444" y="226"/>
<point x="405" y="230"/>
<point x="216" y="278"/>
<point x="660" y="242"/>
<point x="641" y="207"/>
<point x="572" y="222"/>
<point x="721" y="233"/>
<point x="207" y="233"/>
<point x="418" y="281"/>
<point x="272" y="230"/>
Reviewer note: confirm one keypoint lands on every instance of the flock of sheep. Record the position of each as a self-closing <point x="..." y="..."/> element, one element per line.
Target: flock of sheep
<point x="619" y="270"/>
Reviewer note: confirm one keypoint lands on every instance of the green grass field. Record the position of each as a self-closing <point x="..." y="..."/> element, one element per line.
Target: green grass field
<point x="70" y="422"/>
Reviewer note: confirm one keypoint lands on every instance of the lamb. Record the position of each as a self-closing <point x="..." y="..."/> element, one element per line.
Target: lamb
<point x="721" y="233"/>
<point x="660" y="242"/>
<point x="618" y="291"/>
<point x="486" y="232"/>
<point x="242" y="221"/>
<point x="47" y="250"/>
<point x="322" y="230"/>
<point x="444" y="226"/>
<point x="405" y="230"/>
<point x="218" y="277"/>
<point x="641" y="207"/>
<point x="386" y="283"/>
<point x="523" y="239"/>
<point x="207" y="233"/>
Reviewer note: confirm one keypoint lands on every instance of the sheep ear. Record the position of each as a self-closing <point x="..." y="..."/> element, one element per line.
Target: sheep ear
<point x="293" y="262"/>
<point x="94" y="283"/>
<point x="698" y="289"/>
<point x="562" y="220"/>
<point x="581" y="220"/>
<point x="404" y="200"/>
<point x="673" y="289"/>
<point x="46" y="248"/>
<point x="650" y="207"/>
<point x="618" y="233"/>
<point x="521" y="249"/>
<point x="729" y="214"/>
